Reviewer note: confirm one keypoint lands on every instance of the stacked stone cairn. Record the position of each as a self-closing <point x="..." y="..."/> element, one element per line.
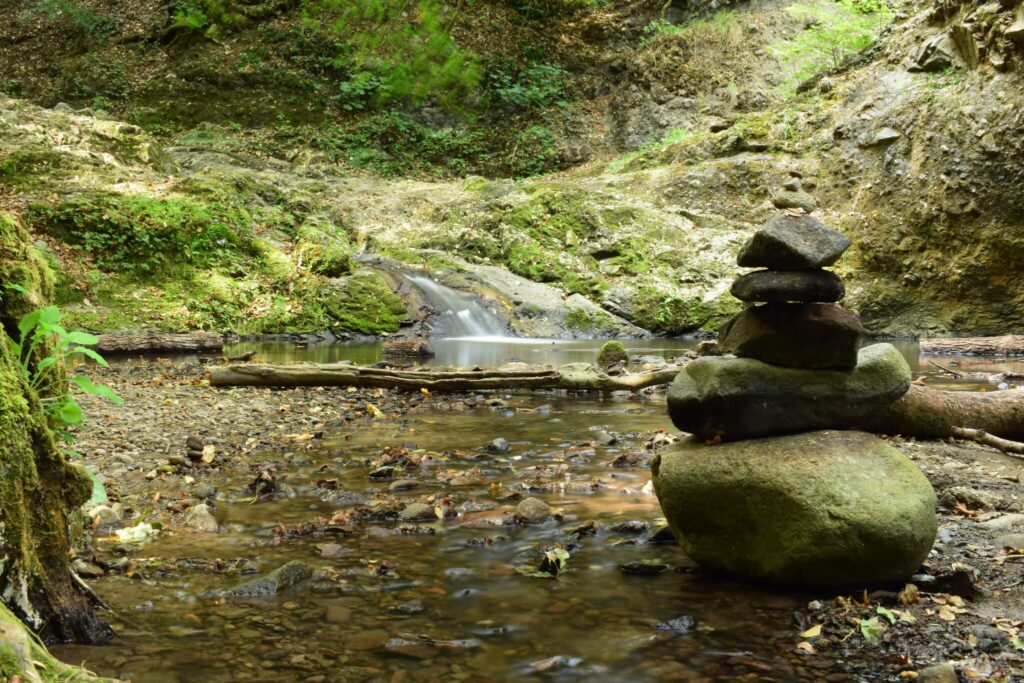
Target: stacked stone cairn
<point x="774" y="485"/>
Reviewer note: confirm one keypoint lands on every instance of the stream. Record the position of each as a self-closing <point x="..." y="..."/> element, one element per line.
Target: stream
<point x="453" y="600"/>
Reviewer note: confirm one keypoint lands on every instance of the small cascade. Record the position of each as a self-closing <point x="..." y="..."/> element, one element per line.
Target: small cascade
<point x="460" y="314"/>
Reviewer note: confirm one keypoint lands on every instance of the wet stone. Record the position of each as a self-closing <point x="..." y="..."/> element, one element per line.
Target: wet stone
<point x="679" y="626"/>
<point x="819" y="336"/>
<point x="788" y="242"/>
<point x="498" y="447"/>
<point x="403" y="485"/>
<point x="806" y="286"/>
<point x="532" y="511"/>
<point x="418" y="512"/>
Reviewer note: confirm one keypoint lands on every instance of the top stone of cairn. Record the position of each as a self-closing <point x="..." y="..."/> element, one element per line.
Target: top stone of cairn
<point x="793" y="242"/>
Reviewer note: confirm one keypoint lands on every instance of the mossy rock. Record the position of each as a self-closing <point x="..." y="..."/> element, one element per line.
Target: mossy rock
<point x="612" y="352"/>
<point x="826" y="508"/>
<point x="323" y="249"/>
<point x="22" y="265"/>
<point x="364" y="303"/>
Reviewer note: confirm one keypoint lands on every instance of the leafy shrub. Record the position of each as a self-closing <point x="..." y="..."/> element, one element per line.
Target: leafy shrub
<point x="535" y="152"/>
<point x="531" y="87"/>
<point x="408" y="48"/>
<point x="209" y="16"/>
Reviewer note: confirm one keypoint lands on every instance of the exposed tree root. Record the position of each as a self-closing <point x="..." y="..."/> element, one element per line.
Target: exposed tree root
<point x="929" y="413"/>
<point x="1015" y="448"/>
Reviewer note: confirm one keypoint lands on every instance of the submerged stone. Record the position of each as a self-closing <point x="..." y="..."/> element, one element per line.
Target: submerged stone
<point x="788" y="242"/>
<point x="794" y="335"/>
<point x="282" y="578"/>
<point x="825" y="508"/>
<point x="807" y="286"/>
<point x="742" y="398"/>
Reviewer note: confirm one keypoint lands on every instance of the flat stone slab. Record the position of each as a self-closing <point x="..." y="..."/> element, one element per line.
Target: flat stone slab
<point x="789" y="242"/>
<point x="819" y="336"/>
<point x="824" y="508"/>
<point x="732" y="398"/>
<point x="805" y="286"/>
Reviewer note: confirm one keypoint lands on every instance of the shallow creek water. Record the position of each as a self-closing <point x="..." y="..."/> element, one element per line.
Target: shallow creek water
<point x="455" y="581"/>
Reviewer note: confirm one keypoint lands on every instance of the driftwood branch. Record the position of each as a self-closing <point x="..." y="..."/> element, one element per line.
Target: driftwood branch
<point x="929" y="413"/>
<point x="149" y="342"/>
<point x="1015" y="448"/>
<point x="1007" y="345"/>
<point x="576" y="376"/>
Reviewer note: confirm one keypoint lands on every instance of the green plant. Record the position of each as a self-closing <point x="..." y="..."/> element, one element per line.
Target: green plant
<point x="208" y="16"/>
<point x="90" y="23"/>
<point x="835" y="31"/>
<point x="674" y="136"/>
<point x="43" y="344"/>
<point x="533" y="86"/>
<point x="534" y="152"/>
<point x="408" y="47"/>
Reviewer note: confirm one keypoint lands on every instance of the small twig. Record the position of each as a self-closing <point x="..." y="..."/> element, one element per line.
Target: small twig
<point x="1014" y="448"/>
<point x="956" y="375"/>
<point x="89" y="592"/>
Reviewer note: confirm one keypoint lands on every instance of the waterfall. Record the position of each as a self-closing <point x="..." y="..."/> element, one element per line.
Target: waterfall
<point x="460" y="314"/>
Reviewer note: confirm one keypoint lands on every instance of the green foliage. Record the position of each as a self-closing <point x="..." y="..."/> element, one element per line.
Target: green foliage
<point x="533" y="86"/>
<point x="674" y="136"/>
<point x="139" y="234"/>
<point x="836" y="31"/>
<point x="391" y="143"/>
<point x="534" y="152"/>
<point x="43" y="343"/>
<point x="209" y="16"/>
<point x="542" y="9"/>
<point x="720" y="22"/>
<point x="408" y="48"/>
<point x="88" y="22"/>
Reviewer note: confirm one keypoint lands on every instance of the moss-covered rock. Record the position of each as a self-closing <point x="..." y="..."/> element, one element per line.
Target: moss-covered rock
<point x="363" y="303"/>
<point x="612" y="352"/>
<point x="815" y="509"/>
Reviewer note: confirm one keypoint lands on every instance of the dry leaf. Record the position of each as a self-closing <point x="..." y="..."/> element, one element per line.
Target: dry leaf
<point x="909" y="595"/>
<point x="812" y="632"/>
<point x="208" y="453"/>
<point x="947" y="614"/>
<point x="805" y="647"/>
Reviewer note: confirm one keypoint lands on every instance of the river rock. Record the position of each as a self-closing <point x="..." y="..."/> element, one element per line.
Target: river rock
<point x="742" y="398"/>
<point x="825" y="508"/>
<point x="789" y="285"/>
<point x="816" y="336"/>
<point x="201" y="518"/>
<point x="284" y="577"/>
<point x="498" y="447"/>
<point x="788" y="242"/>
<point x="532" y="511"/>
<point x="417" y="512"/>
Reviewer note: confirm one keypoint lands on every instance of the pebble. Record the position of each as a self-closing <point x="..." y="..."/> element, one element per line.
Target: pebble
<point x="403" y="485"/>
<point x="418" y="512"/>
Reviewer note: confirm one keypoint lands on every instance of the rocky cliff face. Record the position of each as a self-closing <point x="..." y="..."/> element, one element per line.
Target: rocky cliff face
<point x="913" y="147"/>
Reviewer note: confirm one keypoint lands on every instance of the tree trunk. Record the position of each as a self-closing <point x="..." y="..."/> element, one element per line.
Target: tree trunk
<point x="577" y="376"/>
<point x="1008" y="345"/>
<point x="153" y="342"/>
<point x="929" y="413"/>
<point x="38" y="487"/>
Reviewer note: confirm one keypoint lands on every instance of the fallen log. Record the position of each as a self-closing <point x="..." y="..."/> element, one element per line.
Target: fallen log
<point x="929" y="413"/>
<point x="419" y="348"/>
<point x="575" y="376"/>
<point x="151" y="342"/>
<point x="1007" y="345"/>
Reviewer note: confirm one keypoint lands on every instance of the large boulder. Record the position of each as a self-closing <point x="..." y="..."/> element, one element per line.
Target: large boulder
<point x="741" y="398"/>
<point x="806" y="286"/>
<point x="788" y="242"/>
<point x="826" y="508"/>
<point x="817" y="336"/>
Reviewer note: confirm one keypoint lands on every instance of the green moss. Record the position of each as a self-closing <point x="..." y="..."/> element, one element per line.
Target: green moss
<point x="668" y="313"/>
<point x="23" y="265"/>
<point x="144" y="235"/>
<point x="596" y="323"/>
<point x="364" y="304"/>
<point x="612" y="352"/>
<point x="323" y="249"/>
